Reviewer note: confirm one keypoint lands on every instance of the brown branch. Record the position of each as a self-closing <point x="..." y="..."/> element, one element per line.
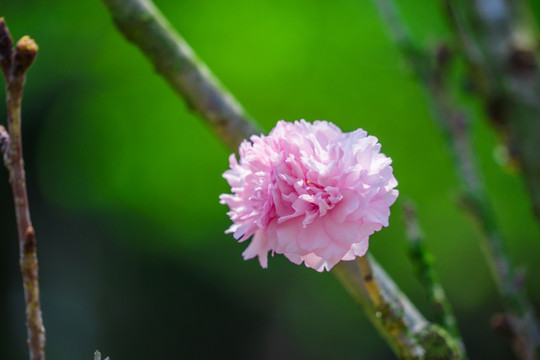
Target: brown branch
<point x="15" y="63"/>
<point x="142" y="24"/>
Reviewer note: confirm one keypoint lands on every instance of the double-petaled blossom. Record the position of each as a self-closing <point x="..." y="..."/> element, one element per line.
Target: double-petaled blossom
<point x="309" y="192"/>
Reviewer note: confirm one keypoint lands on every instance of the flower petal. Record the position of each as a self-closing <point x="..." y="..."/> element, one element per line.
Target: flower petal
<point x="310" y="192"/>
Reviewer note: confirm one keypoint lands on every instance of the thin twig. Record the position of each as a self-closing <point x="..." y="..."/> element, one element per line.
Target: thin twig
<point x="500" y="42"/>
<point x="425" y="271"/>
<point x="142" y="24"/>
<point x="454" y="126"/>
<point x="15" y="63"/>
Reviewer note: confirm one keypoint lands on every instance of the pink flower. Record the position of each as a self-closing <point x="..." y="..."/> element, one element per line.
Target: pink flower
<point x="309" y="192"/>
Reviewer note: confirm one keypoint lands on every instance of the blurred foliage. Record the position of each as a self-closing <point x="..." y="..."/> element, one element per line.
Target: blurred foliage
<point x="124" y="184"/>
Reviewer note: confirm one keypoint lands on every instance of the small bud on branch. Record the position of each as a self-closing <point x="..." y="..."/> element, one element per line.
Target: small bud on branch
<point x="25" y="54"/>
<point x="15" y="63"/>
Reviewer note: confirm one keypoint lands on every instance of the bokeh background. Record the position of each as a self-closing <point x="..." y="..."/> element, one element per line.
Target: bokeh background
<point x="124" y="184"/>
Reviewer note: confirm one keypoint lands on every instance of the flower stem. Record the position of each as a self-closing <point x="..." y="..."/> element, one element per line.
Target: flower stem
<point x="15" y="63"/>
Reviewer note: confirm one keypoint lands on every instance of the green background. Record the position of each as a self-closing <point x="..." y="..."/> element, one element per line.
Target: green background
<point x="124" y="184"/>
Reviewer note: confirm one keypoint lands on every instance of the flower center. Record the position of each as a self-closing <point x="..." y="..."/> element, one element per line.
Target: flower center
<point x="320" y="200"/>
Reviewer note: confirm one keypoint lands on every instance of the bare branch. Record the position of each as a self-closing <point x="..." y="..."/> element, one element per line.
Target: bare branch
<point x="142" y="24"/>
<point x="499" y="41"/>
<point x="454" y="126"/>
<point x="407" y="332"/>
<point x="399" y="312"/>
<point x="14" y="63"/>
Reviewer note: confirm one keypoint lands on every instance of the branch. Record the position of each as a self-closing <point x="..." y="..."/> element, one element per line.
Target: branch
<point x="499" y="42"/>
<point x="142" y="24"/>
<point x="15" y="63"/>
<point x="425" y="271"/>
<point x="407" y="332"/>
<point x="454" y="126"/>
<point x="387" y="310"/>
